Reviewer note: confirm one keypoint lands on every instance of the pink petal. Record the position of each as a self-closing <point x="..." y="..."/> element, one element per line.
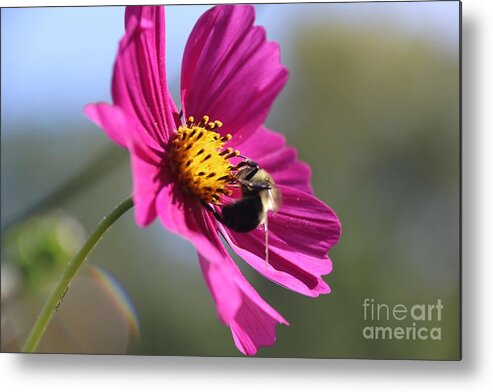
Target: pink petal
<point x="269" y="150"/>
<point x="186" y="217"/>
<point x="139" y="79"/>
<point x="230" y="72"/>
<point x="300" y="235"/>
<point x="224" y="291"/>
<point x="148" y="179"/>
<point x="318" y="227"/>
<point x="252" y="321"/>
<point x="145" y="156"/>
<point x="111" y="119"/>
<point x="183" y="214"/>
<point x="255" y="323"/>
<point x="218" y="275"/>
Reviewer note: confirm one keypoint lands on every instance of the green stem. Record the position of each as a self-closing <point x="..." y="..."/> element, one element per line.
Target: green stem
<point x="58" y="293"/>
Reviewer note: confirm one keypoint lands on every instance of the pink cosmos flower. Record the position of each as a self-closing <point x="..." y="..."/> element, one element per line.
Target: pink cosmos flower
<point x="230" y="74"/>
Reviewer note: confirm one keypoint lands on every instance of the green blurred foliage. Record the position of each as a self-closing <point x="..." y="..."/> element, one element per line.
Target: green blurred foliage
<point x="376" y="115"/>
<point x="41" y="246"/>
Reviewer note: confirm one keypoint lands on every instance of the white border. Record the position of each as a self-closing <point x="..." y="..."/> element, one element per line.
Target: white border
<point x="86" y="373"/>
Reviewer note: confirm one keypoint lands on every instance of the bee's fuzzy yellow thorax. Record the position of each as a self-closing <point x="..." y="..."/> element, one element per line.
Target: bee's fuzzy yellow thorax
<point x="199" y="160"/>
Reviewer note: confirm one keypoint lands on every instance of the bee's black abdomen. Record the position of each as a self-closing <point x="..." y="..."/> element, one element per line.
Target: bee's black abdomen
<point x="244" y="215"/>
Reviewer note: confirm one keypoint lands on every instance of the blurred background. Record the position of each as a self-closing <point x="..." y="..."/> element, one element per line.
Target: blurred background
<point x="381" y="83"/>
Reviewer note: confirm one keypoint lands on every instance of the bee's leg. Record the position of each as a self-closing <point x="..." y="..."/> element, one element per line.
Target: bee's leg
<point x="178" y="117"/>
<point x="246" y="173"/>
<point x="209" y="208"/>
<point x="247" y="168"/>
<point x="247" y="161"/>
<point x="266" y="231"/>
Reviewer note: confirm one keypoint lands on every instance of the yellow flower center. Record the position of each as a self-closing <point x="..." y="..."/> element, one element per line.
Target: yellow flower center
<point x="199" y="160"/>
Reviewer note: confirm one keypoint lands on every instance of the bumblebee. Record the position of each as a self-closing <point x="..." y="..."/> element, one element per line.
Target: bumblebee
<point x="259" y="195"/>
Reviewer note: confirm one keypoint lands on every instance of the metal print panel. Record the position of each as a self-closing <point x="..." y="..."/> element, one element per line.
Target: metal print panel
<point x="276" y="180"/>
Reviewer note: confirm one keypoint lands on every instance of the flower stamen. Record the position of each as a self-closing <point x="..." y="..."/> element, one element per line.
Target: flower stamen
<point x="200" y="161"/>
